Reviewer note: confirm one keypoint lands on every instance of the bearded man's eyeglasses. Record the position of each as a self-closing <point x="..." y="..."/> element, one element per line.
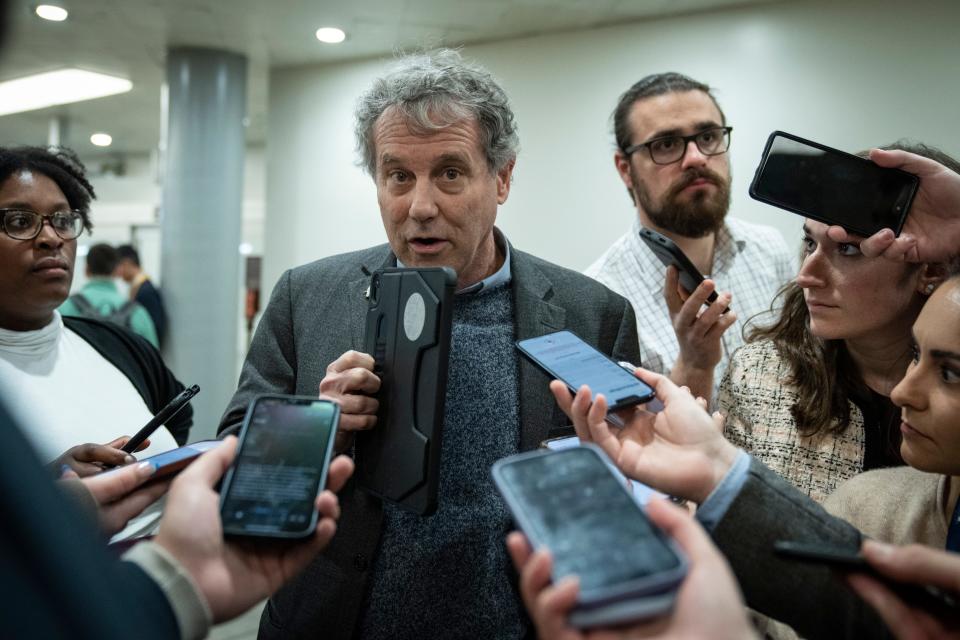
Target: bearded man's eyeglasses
<point x="670" y="149"/>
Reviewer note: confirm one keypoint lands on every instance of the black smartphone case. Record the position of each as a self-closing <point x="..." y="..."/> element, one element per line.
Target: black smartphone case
<point x="669" y="254"/>
<point x="408" y="334"/>
<point x="905" y="201"/>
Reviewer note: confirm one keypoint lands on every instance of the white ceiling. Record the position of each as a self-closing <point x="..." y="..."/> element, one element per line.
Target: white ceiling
<point x="130" y="37"/>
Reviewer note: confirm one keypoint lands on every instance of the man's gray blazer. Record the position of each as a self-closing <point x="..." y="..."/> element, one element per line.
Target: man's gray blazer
<point x="809" y="597"/>
<point x="316" y="313"/>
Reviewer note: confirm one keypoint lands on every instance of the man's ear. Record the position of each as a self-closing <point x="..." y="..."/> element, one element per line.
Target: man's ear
<point x="932" y="274"/>
<point x="622" y="162"/>
<point x="504" y="179"/>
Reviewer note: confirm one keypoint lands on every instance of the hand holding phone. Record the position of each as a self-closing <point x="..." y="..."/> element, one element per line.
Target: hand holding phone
<point x="566" y="357"/>
<point x="280" y="468"/>
<point x="170" y="463"/>
<point x="573" y="503"/>
<point x="938" y="602"/>
<point x="233" y="575"/>
<point x="669" y="254"/>
<point x="174" y="407"/>
<point x="708" y="599"/>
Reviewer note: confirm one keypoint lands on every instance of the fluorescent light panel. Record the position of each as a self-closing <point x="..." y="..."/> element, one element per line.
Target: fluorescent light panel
<point x="52" y="12"/>
<point x="57" y="87"/>
<point x="331" y="35"/>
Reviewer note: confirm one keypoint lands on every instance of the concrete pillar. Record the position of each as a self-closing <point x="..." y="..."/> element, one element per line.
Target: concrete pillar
<point x="200" y="223"/>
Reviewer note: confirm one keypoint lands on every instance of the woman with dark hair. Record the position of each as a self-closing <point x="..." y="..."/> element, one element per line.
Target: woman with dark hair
<point x="809" y="394"/>
<point x="70" y="380"/>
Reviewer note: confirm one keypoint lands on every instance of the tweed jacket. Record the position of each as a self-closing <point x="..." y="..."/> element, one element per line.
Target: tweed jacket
<point x="757" y="402"/>
<point x="315" y="314"/>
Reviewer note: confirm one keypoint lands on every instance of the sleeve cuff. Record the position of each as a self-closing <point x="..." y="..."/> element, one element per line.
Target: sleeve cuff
<point x="188" y="604"/>
<point x="715" y="507"/>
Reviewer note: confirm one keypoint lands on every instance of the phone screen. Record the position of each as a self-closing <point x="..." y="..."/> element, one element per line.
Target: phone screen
<point x="570" y="359"/>
<point x="284" y="452"/>
<point x="571" y="503"/>
<point x="833" y="186"/>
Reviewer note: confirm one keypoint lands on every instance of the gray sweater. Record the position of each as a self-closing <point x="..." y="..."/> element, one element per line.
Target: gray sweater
<point x="448" y="575"/>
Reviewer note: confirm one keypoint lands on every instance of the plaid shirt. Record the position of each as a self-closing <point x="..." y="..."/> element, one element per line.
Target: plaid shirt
<point x="751" y="261"/>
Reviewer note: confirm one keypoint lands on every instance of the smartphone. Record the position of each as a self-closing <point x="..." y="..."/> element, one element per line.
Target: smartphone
<point x="162" y="417"/>
<point x="669" y="254"/>
<point x="566" y="357"/>
<point x="281" y="466"/>
<point x="573" y="503"/>
<point x="172" y="462"/>
<point x="832" y="186"/>
<point x="933" y="599"/>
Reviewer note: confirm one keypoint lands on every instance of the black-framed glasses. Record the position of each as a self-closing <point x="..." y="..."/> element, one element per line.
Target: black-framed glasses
<point x="23" y="224"/>
<point x="670" y="149"/>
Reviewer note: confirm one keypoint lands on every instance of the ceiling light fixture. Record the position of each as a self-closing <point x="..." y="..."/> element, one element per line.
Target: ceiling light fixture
<point x="331" y="35"/>
<point x="101" y="139"/>
<point x="51" y="12"/>
<point x="57" y="87"/>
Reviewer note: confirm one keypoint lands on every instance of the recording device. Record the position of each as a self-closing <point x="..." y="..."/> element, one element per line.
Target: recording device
<point x="280" y="468"/>
<point x="845" y="560"/>
<point x="568" y="358"/>
<point x="832" y="186"/>
<point x="572" y="503"/>
<point x="174" y="407"/>
<point x="408" y="327"/>
<point x="170" y="463"/>
<point x="670" y="254"/>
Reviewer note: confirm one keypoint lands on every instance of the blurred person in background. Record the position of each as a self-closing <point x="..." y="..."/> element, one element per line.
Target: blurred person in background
<point x="142" y="289"/>
<point x="100" y="298"/>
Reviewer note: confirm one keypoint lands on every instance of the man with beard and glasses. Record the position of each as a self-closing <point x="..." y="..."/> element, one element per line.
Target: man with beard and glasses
<point x="672" y="140"/>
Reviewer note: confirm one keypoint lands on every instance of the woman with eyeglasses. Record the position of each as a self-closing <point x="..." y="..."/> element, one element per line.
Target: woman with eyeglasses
<point x="74" y="382"/>
<point x="809" y="394"/>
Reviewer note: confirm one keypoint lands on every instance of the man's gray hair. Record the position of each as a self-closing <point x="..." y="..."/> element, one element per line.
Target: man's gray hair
<point x="432" y="91"/>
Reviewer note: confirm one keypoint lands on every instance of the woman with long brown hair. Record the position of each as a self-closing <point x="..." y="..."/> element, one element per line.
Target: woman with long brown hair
<point x="809" y="394"/>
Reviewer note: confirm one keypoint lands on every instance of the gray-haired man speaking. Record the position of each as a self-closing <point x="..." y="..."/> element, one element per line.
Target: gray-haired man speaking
<point x="438" y="137"/>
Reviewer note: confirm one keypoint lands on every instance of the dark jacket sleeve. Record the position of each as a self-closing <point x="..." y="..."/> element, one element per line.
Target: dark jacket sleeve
<point x="59" y="580"/>
<point x="141" y="363"/>
<point x="627" y="346"/>
<point x="271" y="363"/>
<point x="808" y="597"/>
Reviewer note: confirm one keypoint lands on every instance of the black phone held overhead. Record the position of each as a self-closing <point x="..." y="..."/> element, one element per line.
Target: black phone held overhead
<point x="832" y="186"/>
<point x="408" y="326"/>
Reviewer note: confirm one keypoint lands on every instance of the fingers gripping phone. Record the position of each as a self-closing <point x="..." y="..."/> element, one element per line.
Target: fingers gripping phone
<point x="572" y="503"/>
<point x="937" y="601"/>
<point x="832" y="186"/>
<point x="568" y="358"/>
<point x="670" y="254"/>
<point x="280" y="468"/>
<point x="172" y="462"/>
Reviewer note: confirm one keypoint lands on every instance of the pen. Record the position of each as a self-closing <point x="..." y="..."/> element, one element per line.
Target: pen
<point x="162" y="416"/>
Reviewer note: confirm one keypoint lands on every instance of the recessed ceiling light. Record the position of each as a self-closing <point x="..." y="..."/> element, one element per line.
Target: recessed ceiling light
<point x="57" y="87"/>
<point x="330" y="35"/>
<point x="51" y="12"/>
<point x="101" y="139"/>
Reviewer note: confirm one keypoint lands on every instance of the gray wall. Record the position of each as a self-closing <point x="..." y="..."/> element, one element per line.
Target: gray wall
<point x="851" y="75"/>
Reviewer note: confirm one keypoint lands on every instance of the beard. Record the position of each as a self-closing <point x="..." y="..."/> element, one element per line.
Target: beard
<point x="694" y="217"/>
